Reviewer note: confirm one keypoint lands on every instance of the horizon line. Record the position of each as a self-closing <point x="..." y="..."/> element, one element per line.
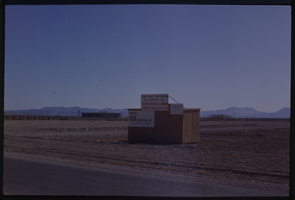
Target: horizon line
<point x="10" y="110"/>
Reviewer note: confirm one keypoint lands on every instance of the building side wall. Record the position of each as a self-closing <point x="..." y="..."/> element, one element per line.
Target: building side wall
<point x="191" y="126"/>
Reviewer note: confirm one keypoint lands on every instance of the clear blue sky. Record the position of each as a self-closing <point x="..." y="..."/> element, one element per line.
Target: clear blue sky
<point x="99" y="56"/>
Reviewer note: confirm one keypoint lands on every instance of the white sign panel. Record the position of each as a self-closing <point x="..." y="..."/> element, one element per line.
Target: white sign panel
<point x="157" y="102"/>
<point x="141" y="118"/>
<point x="176" y="109"/>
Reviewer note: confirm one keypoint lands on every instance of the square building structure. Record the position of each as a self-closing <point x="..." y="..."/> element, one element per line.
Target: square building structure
<point x="169" y="128"/>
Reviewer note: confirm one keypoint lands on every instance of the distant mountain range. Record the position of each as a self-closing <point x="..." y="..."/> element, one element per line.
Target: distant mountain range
<point x="73" y="111"/>
<point x="247" y="113"/>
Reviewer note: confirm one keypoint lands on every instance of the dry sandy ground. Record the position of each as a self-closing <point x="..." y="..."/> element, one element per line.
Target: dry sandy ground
<point x="246" y="153"/>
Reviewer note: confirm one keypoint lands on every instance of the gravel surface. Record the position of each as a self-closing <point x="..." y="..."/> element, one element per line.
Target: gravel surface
<point x="239" y="153"/>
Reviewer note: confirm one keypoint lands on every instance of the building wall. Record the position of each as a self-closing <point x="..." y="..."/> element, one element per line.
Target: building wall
<point x="157" y="134"/>
<point x="191" y="126"/>
<point x="169" y="129"/>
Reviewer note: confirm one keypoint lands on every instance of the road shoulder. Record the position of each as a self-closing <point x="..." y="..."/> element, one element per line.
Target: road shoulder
<point x="154" y="173"/>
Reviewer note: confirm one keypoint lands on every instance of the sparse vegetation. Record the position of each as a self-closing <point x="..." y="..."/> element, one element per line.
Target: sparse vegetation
<point x="230" y="118"/>
<point x="220" y="116"/>
<point x="231" y="150"/>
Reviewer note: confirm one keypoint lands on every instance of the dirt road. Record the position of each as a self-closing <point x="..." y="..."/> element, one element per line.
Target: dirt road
<point x="246" y="153"/>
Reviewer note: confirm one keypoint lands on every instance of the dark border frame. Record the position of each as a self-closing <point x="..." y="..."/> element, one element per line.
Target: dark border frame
<point x="186" y="2"/>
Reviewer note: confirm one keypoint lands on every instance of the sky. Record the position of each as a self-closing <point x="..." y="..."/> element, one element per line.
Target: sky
<point x="106" y="56"/>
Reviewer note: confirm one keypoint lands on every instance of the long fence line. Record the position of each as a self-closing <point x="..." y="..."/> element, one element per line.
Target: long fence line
<point x="34" y="117"/>
<point x="44" y="117"/>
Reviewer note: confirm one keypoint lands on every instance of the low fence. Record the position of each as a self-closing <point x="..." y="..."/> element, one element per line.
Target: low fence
<point x="74" y="118"/>
<point x="34" y="117"/>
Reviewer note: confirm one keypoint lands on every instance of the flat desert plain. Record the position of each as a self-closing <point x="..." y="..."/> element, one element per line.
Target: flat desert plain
<point x="246" y="153"/>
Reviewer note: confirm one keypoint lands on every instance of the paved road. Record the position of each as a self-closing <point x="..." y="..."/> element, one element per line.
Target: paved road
<point x="23" y="177"/>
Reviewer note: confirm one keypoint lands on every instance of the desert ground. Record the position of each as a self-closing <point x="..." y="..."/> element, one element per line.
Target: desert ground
<point x="250" y="153"/>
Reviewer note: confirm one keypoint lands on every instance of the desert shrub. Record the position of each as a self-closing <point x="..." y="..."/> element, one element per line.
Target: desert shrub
<point x="220" y="116"/>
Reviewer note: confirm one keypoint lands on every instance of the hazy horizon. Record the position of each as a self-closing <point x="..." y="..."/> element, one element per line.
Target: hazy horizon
<point x="128" y="108"/>
<point x="106" y="56"/>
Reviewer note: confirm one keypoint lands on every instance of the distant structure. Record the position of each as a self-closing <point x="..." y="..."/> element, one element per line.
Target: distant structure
<point x="102" y="115"/>
<point x="158" y="121"/>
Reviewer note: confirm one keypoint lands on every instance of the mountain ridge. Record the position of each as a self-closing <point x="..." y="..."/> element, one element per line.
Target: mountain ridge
<point x="248" y="112"/>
